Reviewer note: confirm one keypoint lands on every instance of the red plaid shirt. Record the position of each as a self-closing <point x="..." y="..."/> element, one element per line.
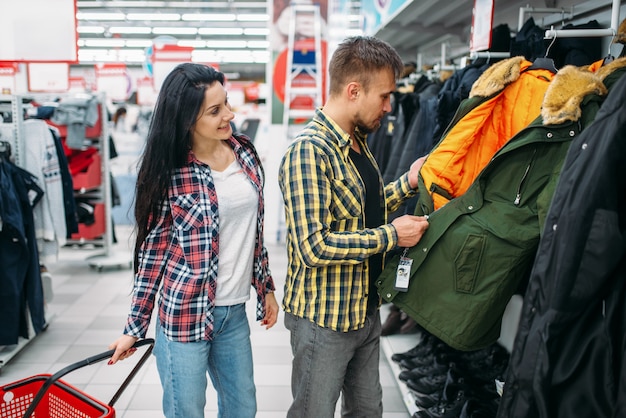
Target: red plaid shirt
<point x="179" y="258"/>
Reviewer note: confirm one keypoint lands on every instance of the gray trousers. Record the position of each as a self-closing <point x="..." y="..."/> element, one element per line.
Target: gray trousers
<point x="327" y="363"/>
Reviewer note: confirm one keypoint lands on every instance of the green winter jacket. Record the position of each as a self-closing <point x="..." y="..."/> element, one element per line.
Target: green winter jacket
<point x="480" y="246"/>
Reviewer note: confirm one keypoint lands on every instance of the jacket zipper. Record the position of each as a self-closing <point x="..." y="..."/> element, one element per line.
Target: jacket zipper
<point x="518" y="195"/>
<point x="435" y="188"/>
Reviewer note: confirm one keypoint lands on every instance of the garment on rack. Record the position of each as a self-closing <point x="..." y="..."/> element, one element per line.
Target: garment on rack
<point x="578" y="51"/>
<point x="380" y="140"/>
<point x="42" y="161"/>
<point x="423" y="88"/>
<point x="483" y="237"/>
<point x="457" y="87"/>
<point x="568" y="358"/>
<point x="529" y="41"/>
<point x="77" y="113"/>
<point x="408" y="107"/>
<point x="67" y="184"/>
<point x="21" y="291"/>
<point x="417" y="141"/>
<point x="454" y="90"/>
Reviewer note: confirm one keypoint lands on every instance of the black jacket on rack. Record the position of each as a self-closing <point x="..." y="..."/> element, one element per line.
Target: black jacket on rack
<point x="21" y="292"/>
<point x="454" y="90"/>
<point x="568" y="358"/>
<point x="408" y="103"/>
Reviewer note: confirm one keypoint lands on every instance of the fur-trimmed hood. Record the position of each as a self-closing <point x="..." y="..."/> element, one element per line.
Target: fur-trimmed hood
<point x="568" y="88"/>
<point x="571" y="84"/>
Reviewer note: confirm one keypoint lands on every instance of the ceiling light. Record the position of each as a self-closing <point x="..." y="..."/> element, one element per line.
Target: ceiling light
<point x="193" y="43"/>
<point x="139" y="43"/>
<point x="216" y="17"/>
<point x="130" y="29"/>
<point x="256" y="31"/>
<point x="258" y="44"/>
<point x="253" y="18"/>
<point x="172" y="30"/>
<point x="220" y="31"/>
<point x="153" y="16"/>
<point x="99" y="43"/>
<point x="226" y="44"/>
<point x="100" y="16"/>
<point x="90" y="29"/>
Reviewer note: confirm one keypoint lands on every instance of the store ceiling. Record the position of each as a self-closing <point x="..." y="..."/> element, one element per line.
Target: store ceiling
<point x="419" y="30"/>
<point x="233" y="33"/>
<point x="425" y="25"/>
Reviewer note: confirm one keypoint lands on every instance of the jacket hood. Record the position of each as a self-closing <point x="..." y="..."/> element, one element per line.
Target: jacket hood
<point x="498" y="76"/>
<point x="564" y="95"/>
<point x="562" y="100"/>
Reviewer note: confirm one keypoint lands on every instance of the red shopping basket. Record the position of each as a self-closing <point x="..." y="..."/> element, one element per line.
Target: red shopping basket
<point x="45" y="396"/>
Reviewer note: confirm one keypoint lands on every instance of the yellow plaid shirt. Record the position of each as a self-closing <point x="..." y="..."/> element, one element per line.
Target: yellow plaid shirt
<point x="327" y="242"/>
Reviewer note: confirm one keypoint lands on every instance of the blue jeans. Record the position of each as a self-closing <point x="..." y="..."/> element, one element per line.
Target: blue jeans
<point x="183" y="369"/>
<point x="327" y="363"/>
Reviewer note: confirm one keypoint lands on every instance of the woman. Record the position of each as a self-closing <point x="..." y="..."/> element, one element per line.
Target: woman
<point x="199" y="214"/>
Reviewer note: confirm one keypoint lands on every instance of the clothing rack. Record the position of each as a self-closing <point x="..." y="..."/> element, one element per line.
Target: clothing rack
<point x="588" y="33"/>
<point x="523" y="11"/>
<point x="17" y="143"/>
<point x="488" y="54"/>
<point x="14" y="148"/>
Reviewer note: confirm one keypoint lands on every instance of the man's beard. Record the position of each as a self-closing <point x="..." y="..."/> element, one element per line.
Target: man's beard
<point x="367" y="130"/>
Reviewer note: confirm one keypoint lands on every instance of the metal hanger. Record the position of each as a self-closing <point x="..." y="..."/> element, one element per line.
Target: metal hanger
<point x="545" y="63"/>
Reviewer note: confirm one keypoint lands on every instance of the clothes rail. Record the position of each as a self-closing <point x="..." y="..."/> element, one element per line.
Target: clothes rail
<point x="588" y="33"/>
<point x="523" y="11"/>
<point x="489" y="54"/>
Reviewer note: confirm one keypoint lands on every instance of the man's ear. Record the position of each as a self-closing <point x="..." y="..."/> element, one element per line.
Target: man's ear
<point x="353" y="90"/>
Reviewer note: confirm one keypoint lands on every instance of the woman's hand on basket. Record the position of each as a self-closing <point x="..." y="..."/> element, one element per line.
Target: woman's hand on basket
<point x="123" y="347"/>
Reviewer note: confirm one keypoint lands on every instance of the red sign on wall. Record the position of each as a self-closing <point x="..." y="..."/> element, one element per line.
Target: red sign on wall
<point x="482" y="22"/>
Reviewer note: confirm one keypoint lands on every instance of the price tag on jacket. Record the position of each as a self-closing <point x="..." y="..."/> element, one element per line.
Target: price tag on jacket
<point x="403" y="272"/>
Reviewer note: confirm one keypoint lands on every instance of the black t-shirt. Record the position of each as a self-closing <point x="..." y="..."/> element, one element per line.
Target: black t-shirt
<point x="373" y="218"/>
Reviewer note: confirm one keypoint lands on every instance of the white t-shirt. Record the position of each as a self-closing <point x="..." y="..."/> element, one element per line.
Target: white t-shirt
<point x="238" y="205"/>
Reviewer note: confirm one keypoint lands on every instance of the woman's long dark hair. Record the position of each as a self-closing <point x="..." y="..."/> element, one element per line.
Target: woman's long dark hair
<point x="168" y="141"/>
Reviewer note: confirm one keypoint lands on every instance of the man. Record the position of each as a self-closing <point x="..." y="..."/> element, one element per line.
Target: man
<point x="335" y="207"/>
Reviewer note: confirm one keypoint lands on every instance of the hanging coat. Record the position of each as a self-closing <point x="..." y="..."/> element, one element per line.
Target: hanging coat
<point x="483" y="237"/>
<point x="21" y="291"/>
<point x="568" y="356"/>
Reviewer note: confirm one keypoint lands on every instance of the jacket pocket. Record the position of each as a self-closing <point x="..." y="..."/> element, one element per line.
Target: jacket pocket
<point x="187" y="212"/>
<point x="345" y="201"/>
<point x="467" y="263"/>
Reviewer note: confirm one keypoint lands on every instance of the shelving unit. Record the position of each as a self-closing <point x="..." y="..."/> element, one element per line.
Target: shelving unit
<point x="18" y="154"/>
<point x="94" y="185"/>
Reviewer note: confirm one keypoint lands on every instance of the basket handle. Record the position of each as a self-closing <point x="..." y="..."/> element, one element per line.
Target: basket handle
<point x="86" y="362"/>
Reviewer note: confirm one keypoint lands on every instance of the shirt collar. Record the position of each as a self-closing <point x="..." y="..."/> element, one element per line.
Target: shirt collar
<point x="343" y="138"/>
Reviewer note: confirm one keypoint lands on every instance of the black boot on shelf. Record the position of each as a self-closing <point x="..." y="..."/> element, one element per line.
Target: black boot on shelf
<point x="440" y="352"/>
<point x="424" y="347"/>
<point x="394" y="321"/>
<point x="474" y="408"/>
<point x="436" y="367"/>
<point x="450" y="405"/>
<point x="485" y="365"/>
<point x="433" y="383"/>
<point x="453" y="382"/>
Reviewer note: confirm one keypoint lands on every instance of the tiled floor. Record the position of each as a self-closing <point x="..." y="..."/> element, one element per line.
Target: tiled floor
<point x="88" y="310"/>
